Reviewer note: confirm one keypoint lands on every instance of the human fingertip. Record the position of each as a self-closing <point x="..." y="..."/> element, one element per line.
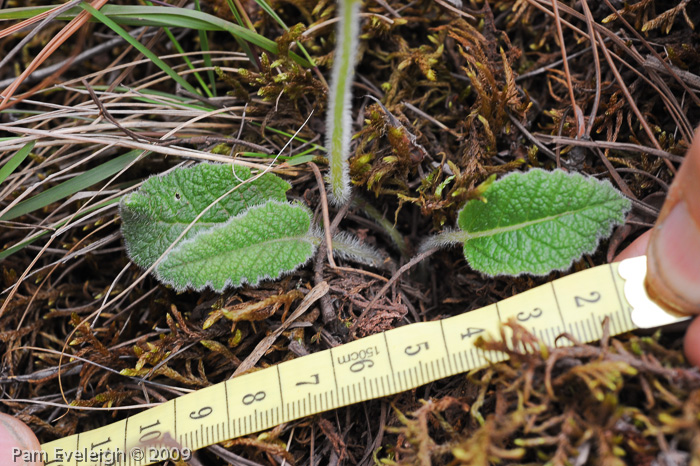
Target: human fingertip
<point x="18" y="444"/>
<point x="674" y="261"/>
<point x="691" y="344"/>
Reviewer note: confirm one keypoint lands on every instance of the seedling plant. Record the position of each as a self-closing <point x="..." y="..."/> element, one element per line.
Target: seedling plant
<point x="162" y="217"/>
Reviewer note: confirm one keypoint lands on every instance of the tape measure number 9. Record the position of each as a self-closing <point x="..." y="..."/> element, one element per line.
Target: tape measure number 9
<point x="372" y="367"/>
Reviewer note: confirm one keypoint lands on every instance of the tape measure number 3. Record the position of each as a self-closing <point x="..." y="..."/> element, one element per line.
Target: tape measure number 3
<point x="376" y="366"/>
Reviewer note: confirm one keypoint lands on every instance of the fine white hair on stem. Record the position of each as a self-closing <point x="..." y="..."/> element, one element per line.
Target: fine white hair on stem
<point x="449" y="237"/>
<point x="339" y="118"/>
<point x="349" y="247"/>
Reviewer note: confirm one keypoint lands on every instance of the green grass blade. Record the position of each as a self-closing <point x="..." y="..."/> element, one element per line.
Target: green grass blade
<point x="388" y="227"/>
<point x="244" y="46"/>
<point x="237" y="15"/>
<point x="159" y="16"/>
<point x="30" y="12"/>
<point x="178" y="101"/>
<point x="139" y="46"/>
<point x="268" y="9"/>
<point x="204" y="45"/>
<point x="313" y="145"/>
<point x="72" y="186"/>
<point x="179" y="48"/>
<point x="16" y="159"/>
<point x="179" y="17"/>
<point x="21" y="245"/>
<point x="291" y="161"/>
<point x="301" y="159"/>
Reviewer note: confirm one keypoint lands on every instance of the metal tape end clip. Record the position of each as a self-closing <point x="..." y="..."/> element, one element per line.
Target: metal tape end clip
<point x="645" y="312"/>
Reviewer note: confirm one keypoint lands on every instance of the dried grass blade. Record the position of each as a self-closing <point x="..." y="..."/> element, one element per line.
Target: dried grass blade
<point x="29" y="21"/>
<point x="63" y="35"/>
<point x="49" y="18"/>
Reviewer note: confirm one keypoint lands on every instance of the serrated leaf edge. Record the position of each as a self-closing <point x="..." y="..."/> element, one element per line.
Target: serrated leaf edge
<point x="453" y="237"/>
<point x="313" y="237"/>
<point x="138" y="214"/>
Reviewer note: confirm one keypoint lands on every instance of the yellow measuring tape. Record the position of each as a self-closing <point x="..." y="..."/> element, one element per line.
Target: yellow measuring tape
<point x="379" y="365"/>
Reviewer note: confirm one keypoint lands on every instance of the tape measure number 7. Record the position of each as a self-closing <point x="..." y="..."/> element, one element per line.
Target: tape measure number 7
<point x="376" y="366"/>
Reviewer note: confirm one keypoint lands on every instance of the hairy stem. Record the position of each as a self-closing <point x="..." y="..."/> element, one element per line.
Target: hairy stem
<point x="338" y="124"/>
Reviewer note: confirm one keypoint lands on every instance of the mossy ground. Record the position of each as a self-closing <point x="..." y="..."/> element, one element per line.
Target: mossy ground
<point x="466" y="93"/>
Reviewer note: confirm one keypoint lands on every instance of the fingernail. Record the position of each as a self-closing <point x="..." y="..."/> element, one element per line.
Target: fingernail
<point x="18" y="444"/>
<point x="674" y="260"/>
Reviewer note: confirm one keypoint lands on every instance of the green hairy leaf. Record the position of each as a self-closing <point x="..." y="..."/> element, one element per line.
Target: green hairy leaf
<point x="535" y="222"/>
<point x="263" y="242"/>
<point x="155" y="216"/>
<point x="251" y="234"/>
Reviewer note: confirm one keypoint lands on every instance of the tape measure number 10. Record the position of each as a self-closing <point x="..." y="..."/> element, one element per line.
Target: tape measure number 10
<point x="379" y="365"/>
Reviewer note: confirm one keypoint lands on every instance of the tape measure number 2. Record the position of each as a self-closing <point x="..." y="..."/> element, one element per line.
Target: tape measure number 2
<point x="372" y="367"/>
